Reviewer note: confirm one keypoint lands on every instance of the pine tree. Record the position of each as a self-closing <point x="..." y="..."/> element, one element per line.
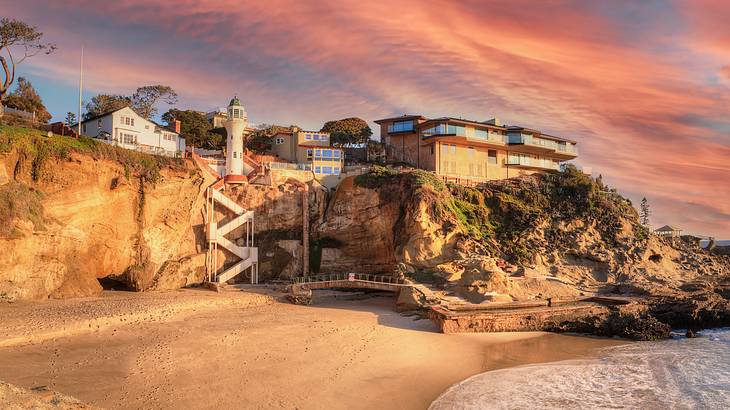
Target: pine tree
<point x="645" y="212"/>
<point x="70" y="118"/>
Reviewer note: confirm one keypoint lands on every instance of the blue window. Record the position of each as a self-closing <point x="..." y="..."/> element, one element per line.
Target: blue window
<point x="317" y="170"/>
<point x="336" y="170"/>
<point x="336" y="153"/>
<point x="327" y="153"/>
<point x="401" y="126"/>
<point x="315" y="136"/>
<point x="435" y="130"/>
<point x="323" y="137"/>
<point x="318" y="153"/>
<point x="309" y="154"/>
<point x="327" y="170"/>
<point x="307" y="136"/>
<point x="457" y="129"/>
<point x="481" y="133"/>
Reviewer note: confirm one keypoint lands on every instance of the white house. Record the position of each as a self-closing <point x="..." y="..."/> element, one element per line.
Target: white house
<point x="127" y="129"/>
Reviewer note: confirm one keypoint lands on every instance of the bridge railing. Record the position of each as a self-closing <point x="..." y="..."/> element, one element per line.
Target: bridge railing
<point x="349" y="277"/>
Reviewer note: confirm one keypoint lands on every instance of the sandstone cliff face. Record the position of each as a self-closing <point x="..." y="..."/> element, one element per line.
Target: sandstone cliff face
<point x="99" y="221"/>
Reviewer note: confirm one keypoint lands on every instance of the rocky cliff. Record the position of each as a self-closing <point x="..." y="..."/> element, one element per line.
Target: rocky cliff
<point x="76" y="215"/>
<point x="77" y="211"/>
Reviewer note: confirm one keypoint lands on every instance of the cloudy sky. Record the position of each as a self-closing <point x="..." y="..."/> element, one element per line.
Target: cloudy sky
<point x="643" y="86"/>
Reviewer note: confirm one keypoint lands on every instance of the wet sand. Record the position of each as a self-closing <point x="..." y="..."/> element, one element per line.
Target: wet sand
<point x="337" y="353"/>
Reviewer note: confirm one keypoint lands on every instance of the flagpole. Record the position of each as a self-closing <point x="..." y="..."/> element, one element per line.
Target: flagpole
<point x="81" y="85"/>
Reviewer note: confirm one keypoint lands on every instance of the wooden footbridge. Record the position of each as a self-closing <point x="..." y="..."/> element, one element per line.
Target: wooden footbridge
<point x="300" y="290"/>
<point x="349" y="280"/>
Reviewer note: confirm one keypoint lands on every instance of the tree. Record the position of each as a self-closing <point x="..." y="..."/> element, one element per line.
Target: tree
<point x="18" y="41"/>
<point x="70" y="118"/>
<point x="195" y="128"/>
<point x="645" y="212"/>
<point x="348" y="131"/>
<point x="145" y="99"/>
<point x="104" y="103"/>
<point x="26" y="98"/>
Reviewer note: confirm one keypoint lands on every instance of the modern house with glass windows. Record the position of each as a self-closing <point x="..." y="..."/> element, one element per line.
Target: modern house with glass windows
<point x="311" y="148"/>
<point x="472" y="150"/>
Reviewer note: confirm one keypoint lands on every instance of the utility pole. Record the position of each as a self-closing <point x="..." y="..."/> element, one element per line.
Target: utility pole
<point x="81" y="85"/>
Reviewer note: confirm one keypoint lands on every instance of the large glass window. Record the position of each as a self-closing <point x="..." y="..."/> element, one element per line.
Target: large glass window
<point x="457" y="130"/>
<point x="479" y="133"/>
<point x="336" y="153"/>
<point x="401" y="126"/>
<point x="438" y="129"/>
<point x="327" y="170"/>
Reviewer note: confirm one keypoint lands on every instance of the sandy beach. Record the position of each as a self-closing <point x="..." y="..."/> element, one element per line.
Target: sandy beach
<point x="199" y="349"/>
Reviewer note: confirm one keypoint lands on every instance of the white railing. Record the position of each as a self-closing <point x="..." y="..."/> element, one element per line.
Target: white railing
<point x="146" y="149"/>
<point x="288" y="166"/>
<point x="350" y="277"/>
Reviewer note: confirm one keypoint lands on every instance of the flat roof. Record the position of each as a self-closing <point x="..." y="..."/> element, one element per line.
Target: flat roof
<point x="402" y="117"/>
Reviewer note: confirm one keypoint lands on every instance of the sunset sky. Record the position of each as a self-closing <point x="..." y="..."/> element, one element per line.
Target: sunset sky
<point x="643" y="86"/>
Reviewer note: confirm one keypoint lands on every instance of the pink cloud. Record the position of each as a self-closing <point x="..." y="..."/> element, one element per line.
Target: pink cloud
<point x="636" y="96"/>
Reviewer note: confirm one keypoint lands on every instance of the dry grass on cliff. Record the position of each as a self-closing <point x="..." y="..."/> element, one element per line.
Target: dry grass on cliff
<point x="19" y="202"/>
<point x="34" y="146"/>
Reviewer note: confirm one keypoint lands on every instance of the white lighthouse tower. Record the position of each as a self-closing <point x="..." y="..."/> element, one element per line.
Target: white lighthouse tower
<point x="235" y="126"/>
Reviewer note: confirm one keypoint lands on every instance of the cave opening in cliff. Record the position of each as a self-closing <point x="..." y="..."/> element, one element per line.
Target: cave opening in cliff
<point x="110" y="283"/>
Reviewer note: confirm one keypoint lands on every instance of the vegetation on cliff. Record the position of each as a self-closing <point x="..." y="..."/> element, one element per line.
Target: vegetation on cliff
<point x="35" y="147"/>
<point x="506" y="214"/>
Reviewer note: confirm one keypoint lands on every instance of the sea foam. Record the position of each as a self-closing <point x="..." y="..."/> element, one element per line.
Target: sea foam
<point x="672" y="374"/>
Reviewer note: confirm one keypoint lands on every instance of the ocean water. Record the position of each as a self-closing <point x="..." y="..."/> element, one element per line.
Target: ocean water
<point x="679" y="373"/>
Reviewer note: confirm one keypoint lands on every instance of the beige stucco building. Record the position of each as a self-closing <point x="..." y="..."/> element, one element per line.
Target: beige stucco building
<point x="472" y="150"/>
<point x="311" y="149"/>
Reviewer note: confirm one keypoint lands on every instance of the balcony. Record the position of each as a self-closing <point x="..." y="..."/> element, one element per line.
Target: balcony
<point x="566" y="150"/>
<point x="532" y="163"/>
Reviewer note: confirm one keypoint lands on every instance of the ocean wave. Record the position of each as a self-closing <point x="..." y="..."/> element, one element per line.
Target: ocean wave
<point x="673" y="374"/>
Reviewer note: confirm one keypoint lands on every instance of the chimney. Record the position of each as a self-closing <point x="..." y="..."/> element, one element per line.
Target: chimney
<point x="494" y="121"/>
<point x="175" y="126"/>
<point x="295" y="129"/>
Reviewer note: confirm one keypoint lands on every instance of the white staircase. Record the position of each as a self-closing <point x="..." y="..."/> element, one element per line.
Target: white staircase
<point x="246" y="252"/>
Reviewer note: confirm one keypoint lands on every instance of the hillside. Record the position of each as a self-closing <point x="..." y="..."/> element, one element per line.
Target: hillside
<point x="79" y="214"/>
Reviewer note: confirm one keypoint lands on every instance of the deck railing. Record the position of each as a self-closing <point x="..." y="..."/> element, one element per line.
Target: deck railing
<point x="349" y="277"/>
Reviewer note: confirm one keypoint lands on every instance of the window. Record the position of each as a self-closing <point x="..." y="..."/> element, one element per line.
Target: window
<point x="317" y="170"/>
<point x="129" y="138"/>
<point x="279" y="141"/>
<point x="438" y="129"/>
<point x="470" y="151"/>
<point x="327" y="170"/>
<point x="309" y="154"/>
<point x="323" y="137"/>
<point x="401" y="126"/>
<point x="307" y="136"/>
<point x="457" y="130"/>
<point x="453" y="148"/>
<point x="336" y="153"/>
<point x="98" y="123"/>
<point x="431" y="149"/>
<point x="234" y="154"/>
<point x="83" y="128"/>
<point x="146" y="126"/>
<point x="444" y="149"/>
<point x="492" y="157"/>
<point x="483" y="134"/>
<point x="336" y="170"/>
<point x="445" y="167"/>
<point x="327" y="153"/>
<point x="315" y="137"/>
